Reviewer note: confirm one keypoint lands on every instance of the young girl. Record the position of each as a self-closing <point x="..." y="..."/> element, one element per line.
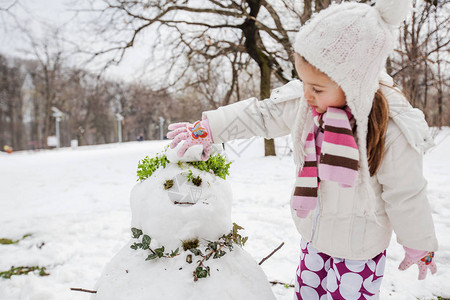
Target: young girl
<point x="358" y="146"/>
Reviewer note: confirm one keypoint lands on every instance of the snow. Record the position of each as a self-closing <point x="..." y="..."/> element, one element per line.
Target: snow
<point x="185" y="211"/>
<point x="75" y="203"/>
<point x="153" y="210"/>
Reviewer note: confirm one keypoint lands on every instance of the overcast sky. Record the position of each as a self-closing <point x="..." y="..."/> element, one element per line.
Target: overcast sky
<point x="31" y="15"/>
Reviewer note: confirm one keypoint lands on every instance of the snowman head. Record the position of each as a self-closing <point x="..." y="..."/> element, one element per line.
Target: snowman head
<point x="180" y="202"/>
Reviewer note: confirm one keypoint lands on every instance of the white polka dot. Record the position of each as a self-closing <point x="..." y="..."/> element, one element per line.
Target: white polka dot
<point x="350" y="286"/>
<point x="380" y="266"/>
<point x="324" y="297"/>
<point x="331" y="281"/>
<point x="355" y="265"/>
<point x="371" y="264"/>
<point x="308" y="293"/>
<point x="310" y="279"/>
<point x="327" y="264"/>
<point x="311" y="249"/>
<point x="324" y="283"/>
<point x="314" y="262"/>
<point x="372" y="286"/>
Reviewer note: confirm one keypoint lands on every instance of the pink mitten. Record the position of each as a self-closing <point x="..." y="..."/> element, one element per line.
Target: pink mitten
<point x="423" y="259"/>
<point x="198" y="133"/>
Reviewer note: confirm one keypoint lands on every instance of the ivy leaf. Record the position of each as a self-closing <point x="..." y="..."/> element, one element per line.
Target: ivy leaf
<point x="219" y="254"/>
<point x="151" y="256"/>
<point x="212" y="246"/>
<point x="174" y="253"/>
<point x="146" y="240"/>
<point x="160" y="252"/>
<point x="136" y="232"/>
<point x="135" y="246"/>
<point x="196" y="251"/>
<point x="201" y="273"/>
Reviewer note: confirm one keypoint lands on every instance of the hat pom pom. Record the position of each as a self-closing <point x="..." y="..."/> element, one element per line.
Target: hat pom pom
<point x="393" y="12"/>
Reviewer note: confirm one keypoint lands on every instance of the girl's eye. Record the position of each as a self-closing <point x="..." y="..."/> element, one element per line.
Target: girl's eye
<point x="316" y="91"/>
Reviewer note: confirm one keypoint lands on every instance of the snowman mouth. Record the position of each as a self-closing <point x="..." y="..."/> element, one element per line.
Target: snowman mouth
<point x="184" y="203"/>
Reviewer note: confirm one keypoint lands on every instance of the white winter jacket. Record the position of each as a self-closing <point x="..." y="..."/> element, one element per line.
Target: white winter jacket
<point x="341" y="226"/>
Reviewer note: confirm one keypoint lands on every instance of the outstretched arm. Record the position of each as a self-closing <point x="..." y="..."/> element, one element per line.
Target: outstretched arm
<point x="272" y="117"/>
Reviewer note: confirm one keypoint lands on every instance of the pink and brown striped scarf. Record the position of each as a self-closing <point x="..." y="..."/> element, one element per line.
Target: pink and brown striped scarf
<point x="330" y="142"/>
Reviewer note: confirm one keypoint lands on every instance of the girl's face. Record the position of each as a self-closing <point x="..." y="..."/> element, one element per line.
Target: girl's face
<point x="319" y="90"/>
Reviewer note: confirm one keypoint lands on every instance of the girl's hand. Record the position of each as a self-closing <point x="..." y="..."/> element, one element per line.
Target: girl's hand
<point x="198" y="133"/>
<point x="423" y="259"/>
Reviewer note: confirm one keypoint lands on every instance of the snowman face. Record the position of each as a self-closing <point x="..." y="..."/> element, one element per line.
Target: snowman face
<point x="185" y="189"/>
<point x="184" y="210"/>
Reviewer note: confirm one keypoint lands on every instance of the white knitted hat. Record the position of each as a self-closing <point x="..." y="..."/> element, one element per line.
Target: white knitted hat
<point x="350" y="42"/>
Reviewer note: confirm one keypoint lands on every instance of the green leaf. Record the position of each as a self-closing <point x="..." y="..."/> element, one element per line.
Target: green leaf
<point x="201" y="273"/>
<point x="174" y="253"/>
<point x="146" y="240"/>
<point x="23" y="270"/>
<point x="7" y="242"/>
<point x="212" y="246"/>
<point x="151" y="256"/>
<point x="136" y="232"/>
<point x="196" y="251"/>
<point x="219" y="254"/>
<point x="160" y="251"/>
<point x="147" y="166"/>
<point x="237" y="227"/>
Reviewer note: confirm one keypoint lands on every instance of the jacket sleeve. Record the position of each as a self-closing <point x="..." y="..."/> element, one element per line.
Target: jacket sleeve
<point x="405" y="194"/>
<point x="270" y="118"/>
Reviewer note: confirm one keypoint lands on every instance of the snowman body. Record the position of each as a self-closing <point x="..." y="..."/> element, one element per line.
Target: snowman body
<point x="169" y="215"/>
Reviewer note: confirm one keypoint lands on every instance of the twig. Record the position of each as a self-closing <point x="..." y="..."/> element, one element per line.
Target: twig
<point x="282" y="283"/>
<point x="83" y="290"/>
<point x="268" y="256"/>
<point x="189" y="203"/>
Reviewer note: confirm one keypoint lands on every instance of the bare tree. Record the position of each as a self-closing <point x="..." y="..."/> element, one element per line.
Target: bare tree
<point x="10" y="105"/>
<point x="421" y="63"/>
<point x="198" y="36"/>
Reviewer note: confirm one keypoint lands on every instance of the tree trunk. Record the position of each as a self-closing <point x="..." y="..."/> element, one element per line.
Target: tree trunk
<point x="254" y="47"/>
<point x="269" y="144"/>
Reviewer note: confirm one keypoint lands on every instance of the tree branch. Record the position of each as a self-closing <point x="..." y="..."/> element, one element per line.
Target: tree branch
<point x="268" y="256"/>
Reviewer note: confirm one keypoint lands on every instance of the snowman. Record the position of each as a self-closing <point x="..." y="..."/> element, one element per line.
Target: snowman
<point x="183" y="243"/>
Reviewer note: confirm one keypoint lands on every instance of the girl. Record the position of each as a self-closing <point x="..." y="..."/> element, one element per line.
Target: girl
<point x="358" y="146"/>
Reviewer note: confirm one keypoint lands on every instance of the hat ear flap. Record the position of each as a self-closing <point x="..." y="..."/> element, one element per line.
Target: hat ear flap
<point x="393" y="12"/>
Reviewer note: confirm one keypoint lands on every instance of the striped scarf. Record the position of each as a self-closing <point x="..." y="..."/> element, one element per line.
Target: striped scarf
<point x="330" y="142"/>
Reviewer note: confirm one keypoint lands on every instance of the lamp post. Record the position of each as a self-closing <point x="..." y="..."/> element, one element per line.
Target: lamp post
<point x="58" y="115"/>
<point x="119" y="123"/>
<point x="161" y="128"/>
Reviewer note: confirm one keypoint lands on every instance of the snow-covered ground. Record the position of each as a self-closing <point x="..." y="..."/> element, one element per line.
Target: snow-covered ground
<point x="75" y="205"/>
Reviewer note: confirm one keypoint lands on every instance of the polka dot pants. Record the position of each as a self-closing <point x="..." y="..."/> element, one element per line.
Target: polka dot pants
<point x="320" y="276"/>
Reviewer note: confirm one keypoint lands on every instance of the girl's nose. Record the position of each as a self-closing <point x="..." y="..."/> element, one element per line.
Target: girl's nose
<point x="307" y="93"/>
